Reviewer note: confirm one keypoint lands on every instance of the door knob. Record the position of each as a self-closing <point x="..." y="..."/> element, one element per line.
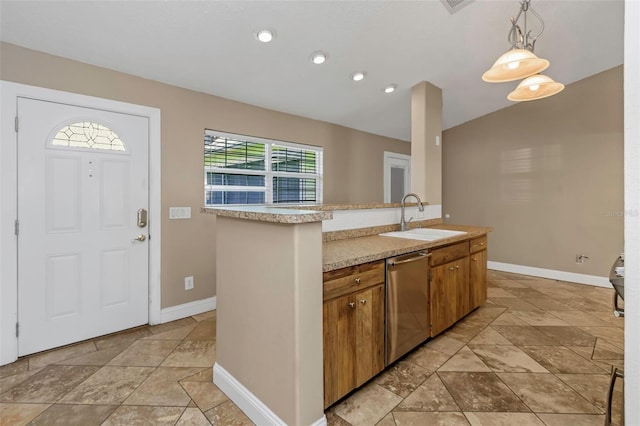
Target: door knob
<point x="140" y="237"/>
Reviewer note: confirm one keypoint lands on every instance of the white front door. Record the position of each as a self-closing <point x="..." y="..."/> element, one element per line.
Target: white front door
<point x="83" y="255"/>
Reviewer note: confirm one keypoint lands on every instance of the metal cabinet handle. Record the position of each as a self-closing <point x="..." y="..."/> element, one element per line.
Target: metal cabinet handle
<point x="418" y="256"/>
<point x="457" y="266"/>
<point x="352" y="305"/>
<point x="451" y="268"/>
<point x="357" y="280"/>
<point x="473" y="259"/>
<point x="363" y="301"/>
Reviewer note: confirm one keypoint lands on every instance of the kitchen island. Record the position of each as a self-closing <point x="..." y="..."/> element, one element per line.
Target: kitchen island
<point x="270" y="266"/>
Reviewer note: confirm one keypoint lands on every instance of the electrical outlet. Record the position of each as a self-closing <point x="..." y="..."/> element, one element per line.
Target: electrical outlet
<point x="581" y="258"/>
<point x="188" y="283"/>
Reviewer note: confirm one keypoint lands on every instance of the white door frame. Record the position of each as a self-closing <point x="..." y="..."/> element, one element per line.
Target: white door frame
<point x="388" y="156"/>
<point x="9" y="93"/>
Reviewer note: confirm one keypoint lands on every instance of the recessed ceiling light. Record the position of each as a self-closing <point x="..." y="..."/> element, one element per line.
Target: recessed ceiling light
<point x="390" y="88"/>
<point x="318" y="57"/>
<point x="358" y="76"/>
<point x="265" y="36"/>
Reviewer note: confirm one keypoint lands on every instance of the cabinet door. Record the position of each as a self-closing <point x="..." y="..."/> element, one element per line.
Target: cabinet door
<point x="478" y="279"/>
<point x="339" y="339"/>
<point x="370" y="333"/>
<point x="443" y="294"/>
<point x="461" y="274"/>
<point x="449" y="291"/>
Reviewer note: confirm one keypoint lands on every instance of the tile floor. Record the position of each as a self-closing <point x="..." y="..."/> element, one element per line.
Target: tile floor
<point x="539" y="352"/>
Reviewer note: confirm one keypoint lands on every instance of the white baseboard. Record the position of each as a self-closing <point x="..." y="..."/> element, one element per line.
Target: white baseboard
<point x="255" y="409"/>
<point x="187" y="309"/>
<point x="320" y="422"/>
<point x="550" y="273"/>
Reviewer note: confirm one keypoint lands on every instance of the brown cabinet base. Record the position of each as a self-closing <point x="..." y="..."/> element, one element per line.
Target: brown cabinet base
<point x="353" y="335"/>
<point x="353" y="311"/>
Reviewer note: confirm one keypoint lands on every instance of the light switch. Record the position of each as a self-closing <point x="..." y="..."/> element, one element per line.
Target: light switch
<point x="179" y="212"/>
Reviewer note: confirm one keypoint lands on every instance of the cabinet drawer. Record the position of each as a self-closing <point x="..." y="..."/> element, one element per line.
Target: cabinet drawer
<point x="449" y="253"/>
<point x="346" y="280"/>
<point x="478" y="244"/>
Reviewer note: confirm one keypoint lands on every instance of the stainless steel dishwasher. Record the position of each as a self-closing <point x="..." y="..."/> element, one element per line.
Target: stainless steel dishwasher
<point x="407" y="317"/>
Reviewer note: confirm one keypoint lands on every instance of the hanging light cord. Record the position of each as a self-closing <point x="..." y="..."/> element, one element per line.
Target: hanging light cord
<point x="520" y="39"/>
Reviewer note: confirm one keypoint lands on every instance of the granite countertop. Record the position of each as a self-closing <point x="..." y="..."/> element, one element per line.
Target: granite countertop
<point x="270" y="214"/>
<point x="353" y="251"/>
<point x="360" y="206"/>
<point x="292" y="213"/>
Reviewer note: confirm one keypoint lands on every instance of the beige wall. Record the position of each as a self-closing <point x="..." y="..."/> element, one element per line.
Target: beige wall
<point x="547" y="175"/>
<point x="353" y="160"/>
<point x="269" y="322"/>
<point x="426" y="156"/>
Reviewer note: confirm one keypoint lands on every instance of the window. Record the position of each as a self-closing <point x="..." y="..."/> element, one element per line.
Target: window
<point x="246" y="170"/>
<point x="90" y="135"/>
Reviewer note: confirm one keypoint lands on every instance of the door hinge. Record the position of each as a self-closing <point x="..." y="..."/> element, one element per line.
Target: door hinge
<point x="17" y="228"/>
<point x="17" y="329"/>
<point x="16" y="124"/>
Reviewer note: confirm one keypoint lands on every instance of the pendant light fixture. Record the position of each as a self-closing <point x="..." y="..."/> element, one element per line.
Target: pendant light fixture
<point x="520" y="62"/>
<point x="537" y="86"/>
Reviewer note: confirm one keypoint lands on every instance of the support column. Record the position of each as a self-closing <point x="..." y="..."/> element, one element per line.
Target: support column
<point x="426" y="142"/>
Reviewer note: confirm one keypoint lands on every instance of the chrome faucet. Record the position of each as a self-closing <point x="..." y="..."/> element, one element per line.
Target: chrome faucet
<point x="404" y="223"/>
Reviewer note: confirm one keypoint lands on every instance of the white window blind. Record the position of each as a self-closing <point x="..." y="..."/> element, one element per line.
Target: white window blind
<point x="248" y="170"/>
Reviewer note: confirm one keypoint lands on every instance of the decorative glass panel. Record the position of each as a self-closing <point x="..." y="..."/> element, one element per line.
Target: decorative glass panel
<point x="88" y="135"/>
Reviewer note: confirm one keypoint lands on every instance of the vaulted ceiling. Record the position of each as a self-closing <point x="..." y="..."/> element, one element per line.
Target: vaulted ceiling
<point x="211" y="47"/>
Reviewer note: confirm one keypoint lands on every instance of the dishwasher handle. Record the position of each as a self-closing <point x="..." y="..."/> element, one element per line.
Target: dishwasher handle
<point x="419" y="256"/>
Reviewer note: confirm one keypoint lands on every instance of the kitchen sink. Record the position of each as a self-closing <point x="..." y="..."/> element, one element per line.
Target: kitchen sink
<point x="424" y="234"/>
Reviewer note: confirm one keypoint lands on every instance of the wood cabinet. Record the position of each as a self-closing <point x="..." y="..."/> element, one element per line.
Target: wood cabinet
<point x="449" y="286"/>
<point x="354" y="310"/>
<point x="353" y="328"/>
<point x="478" y="272"/>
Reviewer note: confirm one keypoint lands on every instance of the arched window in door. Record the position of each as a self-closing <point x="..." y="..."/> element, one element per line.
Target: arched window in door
<point x="86" y="134"/>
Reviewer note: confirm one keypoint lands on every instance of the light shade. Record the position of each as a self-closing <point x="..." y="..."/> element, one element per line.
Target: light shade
<point x="535" y="87"/>
<point x="515" y="65"/>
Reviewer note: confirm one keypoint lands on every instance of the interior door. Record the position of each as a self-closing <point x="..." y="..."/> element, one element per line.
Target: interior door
<point x="397" y="176"/>
<point x="83" y="196"/>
